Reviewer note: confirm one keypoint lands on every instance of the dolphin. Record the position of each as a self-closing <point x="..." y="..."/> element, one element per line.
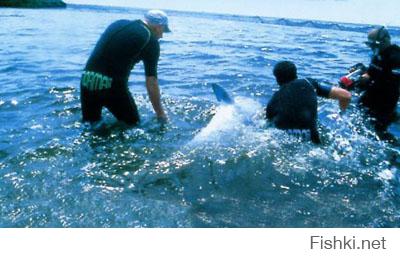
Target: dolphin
<point x="221" y="94"/>
<point x="230" y="119"/>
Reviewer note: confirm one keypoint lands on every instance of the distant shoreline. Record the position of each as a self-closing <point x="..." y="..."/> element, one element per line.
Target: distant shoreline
<point x="33" y="4"/>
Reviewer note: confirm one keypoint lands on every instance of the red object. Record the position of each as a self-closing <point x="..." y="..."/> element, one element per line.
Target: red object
<point x="346" y="81"/>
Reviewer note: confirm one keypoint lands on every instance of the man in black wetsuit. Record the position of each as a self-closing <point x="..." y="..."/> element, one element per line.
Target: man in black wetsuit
<point x="294" y="106"/>
<point x="104" y="82"/>
<point x="381" y="83"/>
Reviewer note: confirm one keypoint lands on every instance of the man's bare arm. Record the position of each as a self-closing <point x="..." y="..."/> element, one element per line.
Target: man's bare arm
<point x="153" y="91"/>
<point x="342" y="95"/>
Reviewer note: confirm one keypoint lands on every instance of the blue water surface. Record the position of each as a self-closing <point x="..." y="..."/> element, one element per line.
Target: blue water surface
<point x="211" y="165"/>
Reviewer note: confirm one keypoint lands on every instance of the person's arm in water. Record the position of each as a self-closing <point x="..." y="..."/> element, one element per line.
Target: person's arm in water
<point x="150" y="60"/>
<point x="270" y="111"/>
<point x="343" y="96"/>
<point x="155" y="97"/>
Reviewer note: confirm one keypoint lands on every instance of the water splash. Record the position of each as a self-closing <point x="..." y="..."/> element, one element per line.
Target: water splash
<point x="229" y="121"/>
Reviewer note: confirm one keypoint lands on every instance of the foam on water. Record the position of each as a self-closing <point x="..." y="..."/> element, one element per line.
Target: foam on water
<point x="229" y="121"/>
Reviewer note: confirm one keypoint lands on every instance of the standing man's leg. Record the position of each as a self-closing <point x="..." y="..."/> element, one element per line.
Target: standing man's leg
<point x="122" y="105"/>
<point x="91" y="106"/>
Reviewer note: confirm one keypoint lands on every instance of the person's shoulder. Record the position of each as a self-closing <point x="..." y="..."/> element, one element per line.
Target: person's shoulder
<point x="393" y="49"/>
<point x="129" y="24"/>
<point x="322" y="90"/>
<point x="311" y="80"/>
<point x="307" y="81"/>
<point x="393" y="53"/>
<point x="121" y="22"/>
<point x="118" y="24"/>
<point x="396" y="47"/>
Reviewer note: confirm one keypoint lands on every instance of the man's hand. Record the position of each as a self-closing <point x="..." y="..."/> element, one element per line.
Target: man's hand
<point x="366" y="76"/>
<point x="162" y="119"/>
<point x="342" y="95"/>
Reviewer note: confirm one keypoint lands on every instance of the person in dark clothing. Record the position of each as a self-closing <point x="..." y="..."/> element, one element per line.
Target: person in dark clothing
<point x="381" y="82"/>
<point x="104" y="82"/>
<point x="294" y="106"/>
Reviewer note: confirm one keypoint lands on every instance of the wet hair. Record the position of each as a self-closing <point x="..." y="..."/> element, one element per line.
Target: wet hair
<point x="285" y="71"/>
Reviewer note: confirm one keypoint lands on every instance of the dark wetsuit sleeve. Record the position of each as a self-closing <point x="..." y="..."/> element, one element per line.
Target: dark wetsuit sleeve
<point x="395" y="61"/>
<point x="271" y="110"/>
<point x="151" y="53"/>
<point x="374" y="69"/>
<point x="322" y="90"/>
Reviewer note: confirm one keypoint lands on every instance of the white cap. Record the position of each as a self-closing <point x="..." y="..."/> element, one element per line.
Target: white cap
<point x="157" y="17"/>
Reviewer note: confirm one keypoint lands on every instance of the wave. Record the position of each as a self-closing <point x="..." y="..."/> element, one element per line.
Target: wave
<point x="327" y="25"/>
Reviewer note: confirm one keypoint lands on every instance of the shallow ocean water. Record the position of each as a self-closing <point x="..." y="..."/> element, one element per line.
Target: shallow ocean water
<point x="211" y="165"/>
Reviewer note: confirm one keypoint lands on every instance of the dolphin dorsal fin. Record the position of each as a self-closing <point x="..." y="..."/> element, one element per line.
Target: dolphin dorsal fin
<point x="221" y="94"/>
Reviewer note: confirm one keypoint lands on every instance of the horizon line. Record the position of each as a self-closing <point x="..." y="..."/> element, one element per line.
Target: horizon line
<point x="232" y="15"/>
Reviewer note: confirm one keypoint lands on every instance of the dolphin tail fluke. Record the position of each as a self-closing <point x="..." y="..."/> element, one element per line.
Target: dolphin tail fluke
<point x="221" y="94"/>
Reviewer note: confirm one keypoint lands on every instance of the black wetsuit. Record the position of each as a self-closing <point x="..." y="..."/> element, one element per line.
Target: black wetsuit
<point x="104" y="82"/>
<point x="382" y="93"/>
<point x="294" y="106"/>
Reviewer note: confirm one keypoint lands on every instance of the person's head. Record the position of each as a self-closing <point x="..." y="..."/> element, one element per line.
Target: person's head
<point x="157" y="20"/>
<point x="378" y="39"/>
<point x="285" y="72"/>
